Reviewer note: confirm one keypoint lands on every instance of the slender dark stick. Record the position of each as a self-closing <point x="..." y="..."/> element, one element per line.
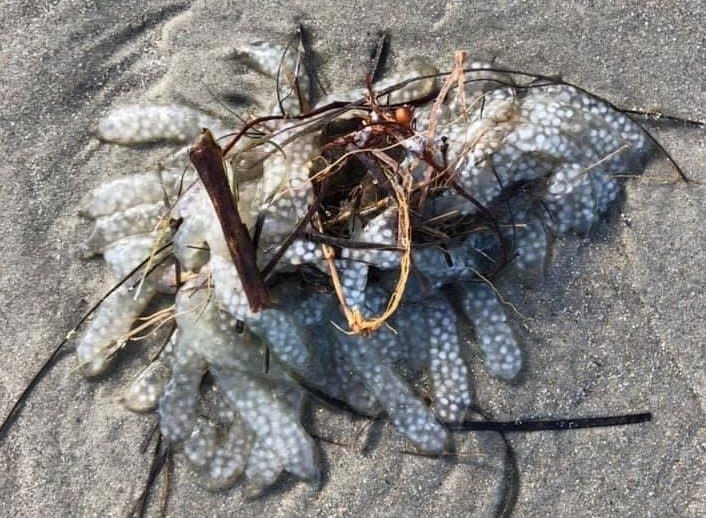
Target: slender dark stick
<point x="518" y="425"/>
<point x="54" y="356"/>
<point x="267" y="270"/>
<point x="539" y="425"/>
<point x="160" y="456"/>
<point x="207" y="157"/>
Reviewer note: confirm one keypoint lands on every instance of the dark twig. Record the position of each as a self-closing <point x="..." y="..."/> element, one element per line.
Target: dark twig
<point x="207" y="157"/>
<point x="377" y="58"/>
<point x="160" y="458"/>
<point x="267" y="270"/>
<point x="53" y="357"/>
<point x="540" y="425"/>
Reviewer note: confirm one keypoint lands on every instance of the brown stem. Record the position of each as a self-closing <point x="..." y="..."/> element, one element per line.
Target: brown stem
<point x="207" y="157"/>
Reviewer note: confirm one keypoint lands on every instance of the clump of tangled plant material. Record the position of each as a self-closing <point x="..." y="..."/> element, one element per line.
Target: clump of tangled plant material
<point x="335" y="250"/>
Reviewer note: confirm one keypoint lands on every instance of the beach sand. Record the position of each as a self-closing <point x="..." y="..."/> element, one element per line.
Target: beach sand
<point x="616" y="327"/>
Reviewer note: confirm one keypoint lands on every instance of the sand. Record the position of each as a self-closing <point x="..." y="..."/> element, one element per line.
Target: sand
<point x="616" y="327"/>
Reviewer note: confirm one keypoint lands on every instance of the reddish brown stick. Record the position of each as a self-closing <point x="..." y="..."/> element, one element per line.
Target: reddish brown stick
<point x="207" y="157"/>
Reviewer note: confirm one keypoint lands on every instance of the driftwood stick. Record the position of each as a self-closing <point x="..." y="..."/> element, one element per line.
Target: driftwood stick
<point x="207" y="157"/>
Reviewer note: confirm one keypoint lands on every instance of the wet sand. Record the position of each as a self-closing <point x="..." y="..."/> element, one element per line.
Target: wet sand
<point x="616" y="327"/>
